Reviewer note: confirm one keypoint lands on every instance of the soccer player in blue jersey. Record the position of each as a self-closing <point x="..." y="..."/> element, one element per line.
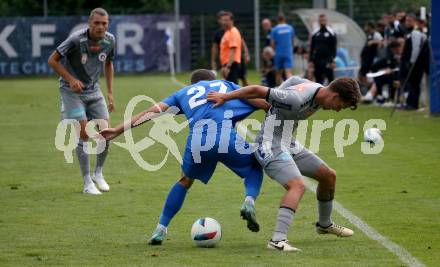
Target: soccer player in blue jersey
<point x="282" y="37"/>
<point x="216" y="126"/>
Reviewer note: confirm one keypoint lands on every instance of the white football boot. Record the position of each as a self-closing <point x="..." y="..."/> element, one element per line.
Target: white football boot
<point x="91" y="189"/>
<point x="100" y="181"/>
<point x="334" y="229"/>
<point x="282" y="245"/>
<point x="157" y="237"/>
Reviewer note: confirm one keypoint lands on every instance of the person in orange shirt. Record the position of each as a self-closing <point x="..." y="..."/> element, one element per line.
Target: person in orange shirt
<point x="230" y="49"/>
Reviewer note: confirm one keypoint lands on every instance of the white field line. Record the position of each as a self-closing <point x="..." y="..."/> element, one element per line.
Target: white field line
<point x="177" y="82"/>
<point x="369" y="231"/>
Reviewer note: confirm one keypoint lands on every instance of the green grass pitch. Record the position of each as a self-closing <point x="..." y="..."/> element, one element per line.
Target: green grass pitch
<point x="46" y="220"/>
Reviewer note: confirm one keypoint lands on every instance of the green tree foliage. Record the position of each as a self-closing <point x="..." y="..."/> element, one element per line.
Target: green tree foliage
<point x="82" y="7"/>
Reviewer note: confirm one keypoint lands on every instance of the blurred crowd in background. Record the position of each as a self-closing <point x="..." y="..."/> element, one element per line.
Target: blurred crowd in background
<point x="391" y="65"/>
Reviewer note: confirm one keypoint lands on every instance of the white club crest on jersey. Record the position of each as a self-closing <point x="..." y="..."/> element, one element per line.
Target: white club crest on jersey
<point x="102" y="56"/>
<point x="84" y="59"/>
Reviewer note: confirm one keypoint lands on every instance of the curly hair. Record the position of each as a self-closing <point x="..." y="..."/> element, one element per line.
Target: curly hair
<point x="348" y="90"/>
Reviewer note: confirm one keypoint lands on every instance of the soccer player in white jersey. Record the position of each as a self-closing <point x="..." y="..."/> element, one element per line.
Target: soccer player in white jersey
<point x="78" y="60"/>
<point x="284" y="159"/>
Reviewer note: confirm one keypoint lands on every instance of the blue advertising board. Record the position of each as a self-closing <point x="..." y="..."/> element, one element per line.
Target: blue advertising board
<point x="27" y="42"/>
<point x="435" y="64"/>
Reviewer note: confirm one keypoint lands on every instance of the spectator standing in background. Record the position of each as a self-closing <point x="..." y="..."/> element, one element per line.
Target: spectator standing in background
<point x="268" y="70"/>
<point x="369" y="52"/>
<point x="399" y="24"/>
<point x="217" y="38"/>
<point x="245" y="58"/>
<point x="323" y="51"/>
<point x="266" y="24"/>
<point x="282" y="37"/>
<point x="415" y="61"/>
<point x="230" y="49"/>
<point x="390" y="32"/>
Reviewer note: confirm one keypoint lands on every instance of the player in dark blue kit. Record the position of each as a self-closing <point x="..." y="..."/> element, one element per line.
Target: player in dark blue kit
<point x="214" y="127"/>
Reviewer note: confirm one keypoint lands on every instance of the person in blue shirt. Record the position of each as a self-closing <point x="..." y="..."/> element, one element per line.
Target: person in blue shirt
<point x="282" y="37"/>
<point x="212" y="138"/>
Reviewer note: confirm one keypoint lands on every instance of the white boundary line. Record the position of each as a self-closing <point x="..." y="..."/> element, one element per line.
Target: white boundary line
<point x="369" y="231"/>
<point x="177" y="82"/>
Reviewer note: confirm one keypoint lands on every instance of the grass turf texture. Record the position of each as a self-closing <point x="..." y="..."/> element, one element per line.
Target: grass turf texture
<point x="45" y="219"/>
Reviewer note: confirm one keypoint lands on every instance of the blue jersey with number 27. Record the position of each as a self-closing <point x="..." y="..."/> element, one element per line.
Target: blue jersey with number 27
<point x="192" y="102"/>
<point x="200" y="159"/>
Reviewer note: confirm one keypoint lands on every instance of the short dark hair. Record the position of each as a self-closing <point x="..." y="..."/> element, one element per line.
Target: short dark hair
<point x="221" y="13"/>
<point x="99" y="11"/>
<point x="348" y="90"/>
<point x="322" y="15"/>
<point x="227" y="13"/>
<point x="281" y="17"/>
<point x="202" y="75"/>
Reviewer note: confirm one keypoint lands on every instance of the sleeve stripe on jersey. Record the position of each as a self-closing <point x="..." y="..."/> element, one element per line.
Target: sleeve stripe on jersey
<point x="268" y="94"/>
<point x="59" y="53"/>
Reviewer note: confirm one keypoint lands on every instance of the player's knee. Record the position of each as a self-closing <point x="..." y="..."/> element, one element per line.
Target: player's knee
<point x="186" y="182"/>
<point x="327" y="176"/>
<point x="331" y="176"/>
<point x="296" y="184"/>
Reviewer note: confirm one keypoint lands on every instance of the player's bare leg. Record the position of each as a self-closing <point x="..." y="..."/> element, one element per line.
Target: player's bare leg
<point x="325" y="191"/>
<point x="289" y="203"/>
<point x="83" y="158"/>
<point x="98" y="176"/>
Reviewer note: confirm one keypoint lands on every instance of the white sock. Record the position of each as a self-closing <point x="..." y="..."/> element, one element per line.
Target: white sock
<point x="161" y="227"/>
<point x="249" y="200"/>
<point x="87" y="180"/>
<point x="284" y="220"/>
<point x="98" y="171"/>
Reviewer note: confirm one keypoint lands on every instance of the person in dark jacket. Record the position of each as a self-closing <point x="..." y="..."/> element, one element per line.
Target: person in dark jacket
<point x="323" y="51"/>
<point x="415" y="61"/>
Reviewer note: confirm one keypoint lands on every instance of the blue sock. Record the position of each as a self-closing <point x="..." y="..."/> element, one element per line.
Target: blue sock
<point x="252" y="182"/>
<point x="174" y="202"/>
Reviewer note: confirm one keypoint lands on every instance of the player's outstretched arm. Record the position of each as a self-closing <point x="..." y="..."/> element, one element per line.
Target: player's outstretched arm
<point x="248" y="92"/>
<point x="259" y="103"/>
<point x="140" y="118"/>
